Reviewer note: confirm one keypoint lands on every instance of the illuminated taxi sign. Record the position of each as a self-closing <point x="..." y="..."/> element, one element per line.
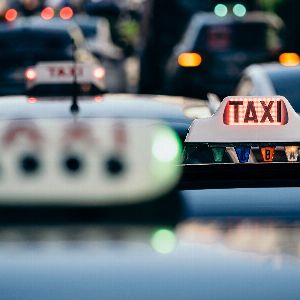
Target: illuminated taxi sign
<point x="255" y="111"/>
<point x="248" y="120"/>
<point x="63" y="72"/>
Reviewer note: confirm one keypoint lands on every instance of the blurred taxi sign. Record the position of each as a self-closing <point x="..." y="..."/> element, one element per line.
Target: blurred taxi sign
<point x="63" y="73"/>
<point x="85" y="165"/>
<point x="250" y="120"/>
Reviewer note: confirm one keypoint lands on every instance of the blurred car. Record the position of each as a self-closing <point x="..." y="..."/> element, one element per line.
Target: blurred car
<point x="177" y="112"/>
<point x="250" y="147"/>
<point x="95" y="37"/>
<point x="271" y="79"/>
<point x="99" y="41"/>
<point x="214" y="51"/>
<point x="98" y="37"/>
<point x="36" y="42"/>
<point x="131" y="249"/>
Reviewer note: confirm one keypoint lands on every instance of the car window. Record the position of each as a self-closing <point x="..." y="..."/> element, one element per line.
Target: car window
<point x="239" y="36"/>
<point x="34" y="39"/>
<point x="285" y="86"/>
<point x="33" y="47"/>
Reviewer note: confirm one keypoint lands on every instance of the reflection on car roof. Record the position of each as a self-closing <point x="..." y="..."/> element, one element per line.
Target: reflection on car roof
<point x="122" y="106"/>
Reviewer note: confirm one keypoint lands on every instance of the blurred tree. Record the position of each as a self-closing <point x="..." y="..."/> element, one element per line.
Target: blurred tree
<point x="164" y="21"/>
<point x="269" y="5"/>
<point x="288" y="10"/>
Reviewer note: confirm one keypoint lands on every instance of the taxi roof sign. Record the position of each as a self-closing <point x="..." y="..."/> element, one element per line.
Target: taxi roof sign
<point x="269" y="119"/>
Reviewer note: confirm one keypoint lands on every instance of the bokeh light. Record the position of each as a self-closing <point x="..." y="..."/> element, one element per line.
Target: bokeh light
<point x="47" y="13"/>
<point x="66" y="13"/>
<point x="239" y="10"/>
<point x="289" y="59"/>
<point x="166" y="145"/>
<point x="11" y="15"/>
<point x="189" y="59"/>
<point x="163" y="241"/>
<point x="220" y="10"/>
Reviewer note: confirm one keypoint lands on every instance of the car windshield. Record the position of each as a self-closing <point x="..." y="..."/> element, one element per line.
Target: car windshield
<point x="33" y="46"/>
<point x="235" y="37"/>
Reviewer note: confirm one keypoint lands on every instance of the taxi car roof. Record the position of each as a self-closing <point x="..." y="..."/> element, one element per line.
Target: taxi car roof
<point x="37" y="22"/>
<point x="113" y="105"/>
<point x="273" y="68"/>
<point x="85" y="270"/>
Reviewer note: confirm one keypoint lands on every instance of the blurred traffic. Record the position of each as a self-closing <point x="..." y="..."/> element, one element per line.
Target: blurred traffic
<point x="149" y="149"/>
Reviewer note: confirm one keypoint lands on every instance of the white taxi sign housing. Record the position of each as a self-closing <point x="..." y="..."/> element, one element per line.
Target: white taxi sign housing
<point x="63" y="73"/>
<point x="248" y="120"/>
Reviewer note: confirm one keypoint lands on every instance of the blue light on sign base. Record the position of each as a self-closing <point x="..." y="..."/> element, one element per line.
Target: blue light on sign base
<point x="242" y="153"/>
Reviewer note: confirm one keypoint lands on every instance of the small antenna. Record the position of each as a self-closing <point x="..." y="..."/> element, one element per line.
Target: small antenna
<point x="74" y="107"/>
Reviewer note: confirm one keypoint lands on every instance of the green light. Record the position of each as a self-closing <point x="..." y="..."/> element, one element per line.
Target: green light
<point x="163" y="241"/>
<point x="239" y="10"/>
<point x="218" y="154"/>
<point x="166" y="145"/>
<point x="221" y="10"/>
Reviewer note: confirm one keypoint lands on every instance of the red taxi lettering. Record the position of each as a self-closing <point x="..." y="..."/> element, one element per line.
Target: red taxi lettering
<point x="250" y="113"/>
<point x="64" y="71"/>
<point x="255" y="111"/>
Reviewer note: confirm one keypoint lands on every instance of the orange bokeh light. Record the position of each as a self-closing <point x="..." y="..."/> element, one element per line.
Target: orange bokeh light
<point x="189" y="60"/>
<point x="289" y="59"/>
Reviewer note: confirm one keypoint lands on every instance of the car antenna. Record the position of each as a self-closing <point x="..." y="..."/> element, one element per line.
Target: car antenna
<point x="74" y="107"/>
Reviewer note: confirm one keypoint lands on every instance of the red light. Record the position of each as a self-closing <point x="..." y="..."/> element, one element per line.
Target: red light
<point x="47" y="13"/>
<point x="11" y="15"/>
<point x="255" y="111"/>
<point x="32" y="100"/>
<point x="98" y="98"/>
<point x="30" y="74"/>
<point x="99" y="73"/>
<point x="66" y="13"/>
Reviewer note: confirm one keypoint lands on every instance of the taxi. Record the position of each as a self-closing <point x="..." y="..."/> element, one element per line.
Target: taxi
<point x="281" y="78"/>
<point x="247" y="123"/>
<point x="63" y="77"/>
<point x="249" y="143"/>
<point x="97" y="232"/>
<point x="215" y="50"/>
<point x="38" y="42"/>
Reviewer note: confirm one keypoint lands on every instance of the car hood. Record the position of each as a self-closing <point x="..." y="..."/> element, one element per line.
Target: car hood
<point x="126" y="264"/>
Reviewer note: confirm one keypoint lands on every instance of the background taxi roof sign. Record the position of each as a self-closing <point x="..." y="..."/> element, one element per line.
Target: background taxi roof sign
<point x="248" y="120"/>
